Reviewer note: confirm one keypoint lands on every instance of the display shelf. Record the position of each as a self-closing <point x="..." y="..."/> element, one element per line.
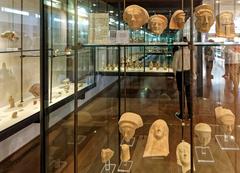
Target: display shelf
<point x="16" y="50"/>
<point x="216" y="43"/>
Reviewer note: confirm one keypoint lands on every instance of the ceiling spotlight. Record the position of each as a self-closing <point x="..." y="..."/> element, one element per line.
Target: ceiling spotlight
<point x="217" y="2"/>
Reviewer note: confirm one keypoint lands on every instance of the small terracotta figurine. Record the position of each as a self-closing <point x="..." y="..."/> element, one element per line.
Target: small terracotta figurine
<point x="157" y="142"/>
<point x="106" y="155"/>
<point x="10" y="35"/>
<point x="11" y="102"/>
<point x="35" y="90"/>
<point x="158" y="65"/>
<point x="14" y="115"/>
<point x="66" y="83"/>
<point x="157" y="24"/>
<point x="225" y="25"/>
<point x="183" y="156"/>
<point x="204" y="17"/>
<point x="150" y="65"/>
<point x="203" y="133"/>
<point x="135" y="16"/>
<point x="128" y="123"/>
<point x="177" y="20"/>
<point x="226" y="119"/>
<point x="125" y="153"/>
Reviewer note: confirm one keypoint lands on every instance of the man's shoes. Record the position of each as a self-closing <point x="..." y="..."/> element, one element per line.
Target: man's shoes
<point x="179" y="116"/>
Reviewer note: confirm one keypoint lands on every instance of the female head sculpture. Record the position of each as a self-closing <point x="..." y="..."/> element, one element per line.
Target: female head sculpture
<point x="157" y="142"/>
<point x="106" y="155"/>
<point x="226" y="119"/>
<point x="128" y="123"/>
<point x="135" y="16"/>
<point x="157" y="24"/>
<point x="177" y="20"/>
<point x="203" y="133"/>
<point x="183" y="156"/>
<point x="225" y="25"/>
<point x="204" y="17"/>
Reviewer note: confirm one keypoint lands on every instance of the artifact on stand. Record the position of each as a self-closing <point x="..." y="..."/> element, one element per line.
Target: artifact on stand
<point x="157" y="142"/>
<point x="177" y="20"/>
<point x="11" y="102"/>
<point x="66" y="83"/>
<point x="126" y="164"/>
<point x="135" y="16"/>
<point x="106" y="155"/>
<point x="150" y="65"/>
<point x="10" y="35"/>
<point x="157" y="24"/>
<point x="158" y="65"/>
<point x="35" y="90"/>
<point x="68" y="51"/>
<point x="113" y="67"/>
<point x="203" y="132"/>
<point x="225" y="25"/>
<point x="14" y="115"/>
<point x="183" y="153"/>
<point x="34" y="102"/>
<point x="204" y="17"/>
<point x="128" y="123"/>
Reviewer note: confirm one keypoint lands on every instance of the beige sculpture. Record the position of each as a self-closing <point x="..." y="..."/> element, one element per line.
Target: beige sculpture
<point x="11" y="102"/>
<point x="14" y="115"/>
<point x="225" y="25"/>
<point x="204" y="17"/>
<point x="150" y="65"/>
<point x="203" y="133"/>
<point x="177" y="20"/>
<point x="66" y="83"/>
<point x="225" y="118"/>
<point x="158" y="65"/>
<point x="125" y="153"/>
<point x="157" y="142"/>
<point x="135" y="16"/>
<point x="10" y="35"/>
<point x="35" y="90"/>
<point x="128" y="123"/>
<point x="106" y="155"/>
<point x="183" y="156"/>
<point x="157" y="24"/>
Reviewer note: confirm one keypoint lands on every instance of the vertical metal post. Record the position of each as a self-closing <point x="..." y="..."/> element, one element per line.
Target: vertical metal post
<point x="44" y="87"/>
<point x="51" y="57"/>
<point x="21" y="56"/>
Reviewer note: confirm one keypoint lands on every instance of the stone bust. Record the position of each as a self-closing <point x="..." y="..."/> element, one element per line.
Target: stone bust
<point x="106" y="155"/>
<point x="204" y="17"/>
<point x="225" y="25"/>
<point x="135" y="16"/>
<point x="226" y="119"/>
<point x="177" y="20"/>
<point x="157" y="142"/>
<point x="128" y="123"/>
<point x="157" y="24"/>
<point x="183" y="156"/>
<point x="203" y="132"/>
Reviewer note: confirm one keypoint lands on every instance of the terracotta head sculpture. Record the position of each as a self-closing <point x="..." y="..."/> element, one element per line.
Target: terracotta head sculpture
<point x="35" y="90"/>
<point x="203" y="133"/>
<point x="183" y="156"/>
<point x="157" y="24"/>
<point x="135" y="16"/>
<point x="157" y="142"/>
<point x="225" y="25"/>
<point x="106" y="155"/>
<point x="204" y="17"/>
<point x="177" y="20"/>
<point x="226" y="119"/>
<point x="128" y="123"/>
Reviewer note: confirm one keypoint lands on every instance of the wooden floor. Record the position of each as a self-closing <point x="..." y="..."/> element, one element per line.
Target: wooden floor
<point x="151" y="97"/>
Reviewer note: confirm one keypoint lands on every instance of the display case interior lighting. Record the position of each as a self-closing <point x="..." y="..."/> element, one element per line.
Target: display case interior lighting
<point x="217" y="2"/>
<point x="14" y="11"/>
<point x="94" y="5"/>
<point x="111" y="12"/>
<point x="238" y="2"/>
<point x="82" y="12"/>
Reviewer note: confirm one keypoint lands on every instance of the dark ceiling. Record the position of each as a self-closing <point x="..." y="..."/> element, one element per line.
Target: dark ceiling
<point x="157" y="6"/>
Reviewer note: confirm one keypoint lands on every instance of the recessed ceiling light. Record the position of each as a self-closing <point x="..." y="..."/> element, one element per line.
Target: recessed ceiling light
<point x="217" y="2"/>
<point x="238" y="2"/>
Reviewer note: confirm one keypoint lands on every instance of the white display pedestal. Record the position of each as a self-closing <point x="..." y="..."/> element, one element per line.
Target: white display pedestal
<point x="125" y="166"/>
<point x="108" y="168"/>
<point x="130" y="143"/>
<point x="227" y="142"/>
<point x="204" y="154"/>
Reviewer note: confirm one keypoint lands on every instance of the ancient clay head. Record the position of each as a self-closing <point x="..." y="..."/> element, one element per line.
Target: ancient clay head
<point x="106" y="155"/>
<point x="177" y="20"/>
<point x="157" y="24"/>
<point x="135" y="16"/>
<point x="226" y="119"/>
<point x="183" y="156"/>
<point x="125" y="153"/>
<point x="35" y="90"/>
<point x="128" y="123"/>
<point x="204" y="17"/>
<point x="203" y="133"/>
<point x="225" y="25"/>
<point x="157" y="142"/>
